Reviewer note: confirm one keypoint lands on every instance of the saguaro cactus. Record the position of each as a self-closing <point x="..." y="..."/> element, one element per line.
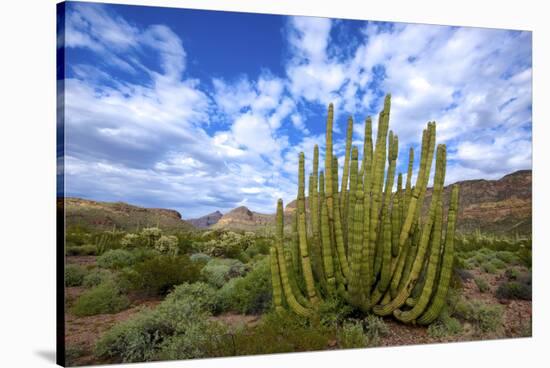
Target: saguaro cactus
<point x="368" y="244"/>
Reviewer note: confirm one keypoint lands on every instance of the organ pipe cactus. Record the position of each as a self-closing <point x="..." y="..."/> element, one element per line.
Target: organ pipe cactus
<point x="365" y="242"/>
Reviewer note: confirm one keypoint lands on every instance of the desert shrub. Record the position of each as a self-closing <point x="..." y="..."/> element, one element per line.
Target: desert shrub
<point x="72" y="353"/>
<point x="178" y="328"/>
<point x="200" y="258"/>
<point x="200" y="293"/>
<point x="149" y="235"/>
<point x="485" y="317"/>
<point x="250" y="294"/>
<point x="218" y="271"/>
<point x="156" y="276"/>
<point x="514" y="290"/>
<point x="115" y="259"/>
<point x="130" y="240"/>
<point x="281" y="332"/>
<point x="489" y="267"/>
<point x="444" y="325"/>
<point x="351" y="335"/>
<point x="508" y="257"/>
<point x="81" y="250"/>
<point x="95" y="277"/>
<point x="229" y="245"/>
<point x="333" y="311"/>
<point x="499" y="264"/>
<point x="482" y="285"/>
<point x="74" y="275"/>
<point x="463" y="275"/>
<point x="512" y="274"/>
<point x="167" y="244"/>
<point x="375" y="329"/>
<point x="141" y="254"/>
<point x="104" y="298"/>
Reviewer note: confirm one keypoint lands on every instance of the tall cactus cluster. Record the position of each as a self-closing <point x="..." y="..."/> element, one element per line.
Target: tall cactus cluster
<point x="363" y="242"/>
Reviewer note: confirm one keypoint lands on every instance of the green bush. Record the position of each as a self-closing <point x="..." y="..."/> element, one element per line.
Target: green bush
<point x="334" y="311"/>
<point x="74" y="275"/>
<point x="81" y="250"/>
<point x="351" y="335"/>
<point x="489" y="267"/>
<point x="376" y="328"/>
<point x="218" y="271"/>
<point x="485" y="317"/>
<point x="508" y="257"/>
<point x="514" y="290"/>
<point x="200" y="258"/>
<point x="229" y="244"/>
<point x="149" y="235"/>
<point x="444" y="326"/>
<point x="156" y="276"/>
<point x="499" y="264"/>
<point x="281" y="332"/>
<point x="96" y="277"/>
<point x="167" y="244"/>
<point x="512" y="274"/>
<point x="250" y="294"/>
<point x="115" y="259"/>
<point x="482" y="285"/>
<point x="178" y="328"/>
<point x="130" y="241"/>
<point x="104" y="298"/>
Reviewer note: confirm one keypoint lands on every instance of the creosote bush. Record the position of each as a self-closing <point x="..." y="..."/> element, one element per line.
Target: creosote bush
<point x="485" y="317"/>
<point x="178" y="328"/>
<point x="115" y="259"/>
<point x="351" y="335"/>
<point x="250" y="294"/>
<point x="74" y="275"/>
<point x="104" y="298"/>
<point x="481" y="284"/>
<point x="95" y="277"/>
<point x="158" y="275"/>
<point x="514" y="290"/>
<point x="220" y="270"/>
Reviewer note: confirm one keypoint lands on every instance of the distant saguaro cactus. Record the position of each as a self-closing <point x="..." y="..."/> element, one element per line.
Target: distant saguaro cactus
<point x="366" y="243"/>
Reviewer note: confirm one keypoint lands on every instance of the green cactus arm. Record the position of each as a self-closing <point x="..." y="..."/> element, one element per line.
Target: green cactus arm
<point x="302" y="234"/>
<point x="338" y="231"/>
<point x="379" y="160"/>
<point x="327" y="251"/>
<point x="438" y="301"/>
<point x="427" y="290"/>
<point x="355" y="292"/>
<point x="276" y="280"/>
<point x="351" y="195"/>
<point x="287" y="289"/>
<point x="344" y="200"/>
<point x="405" y="292"/>
<point x="396" y="218"/>
<point x="366" y="269"/>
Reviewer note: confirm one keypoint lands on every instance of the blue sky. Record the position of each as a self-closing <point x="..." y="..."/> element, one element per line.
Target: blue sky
<point x="201" y="111"/>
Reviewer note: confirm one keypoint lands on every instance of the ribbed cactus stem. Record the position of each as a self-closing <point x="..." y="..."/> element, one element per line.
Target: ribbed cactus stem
<point x="438" y="300"/>
<point x="405" y="292"/>
<point x="302" y="234"/>
<point x="356" y="244"/>
<point x="276" y="280"/>
<point x="428" y="287"/>
<point x="379" y="160"/>
<point x="386" y="251"/>
<point x="344" y="200"/>
<point x="279" y="238"/>
<point x="396" y="216"/>
<point x="338" y="231"/>
<point x="352" y="192"/>
<point x="366" y="264"/>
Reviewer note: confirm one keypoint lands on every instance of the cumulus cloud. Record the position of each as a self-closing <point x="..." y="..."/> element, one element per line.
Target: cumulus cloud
<point x="153" y="135"/>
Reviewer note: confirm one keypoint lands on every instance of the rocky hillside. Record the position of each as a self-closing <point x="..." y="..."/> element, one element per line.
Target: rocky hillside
<point x="241" y="218"/>
<point x="206" y="221"/>
<point x="106" y="215"/>
<point x="500" y="206"/>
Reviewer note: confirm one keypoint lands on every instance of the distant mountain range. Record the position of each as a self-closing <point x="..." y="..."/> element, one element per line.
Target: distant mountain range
<point x="497" y="206"/>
